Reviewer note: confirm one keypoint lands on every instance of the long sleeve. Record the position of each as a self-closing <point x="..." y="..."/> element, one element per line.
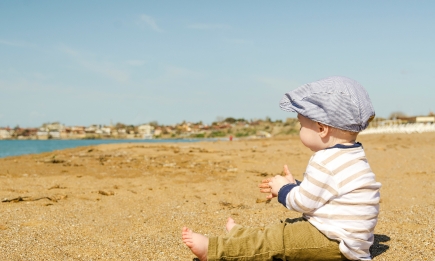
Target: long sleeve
<point x="340" y="197"/>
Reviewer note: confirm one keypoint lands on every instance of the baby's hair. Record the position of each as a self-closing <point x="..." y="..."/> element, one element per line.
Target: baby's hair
<point x="352" y="133"/>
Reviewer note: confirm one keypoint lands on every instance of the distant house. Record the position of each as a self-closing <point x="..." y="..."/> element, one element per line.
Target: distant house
<point x="425" y="119"/>
<point x="31" y="132"/>
<point x="417" y="119"/>
<point x="106" y="131"/>
<point x="55" y="126"/>
<point x="42" y="134"/>
<point x="187" y="127"/>
<point x="5" y="134"/>
<point x="167" y="130"/>
<point x="77" y="132"/>
<point x="53" y="130"/>
<point x="158" y="132"/>
<point x="78" y="129"/>
<point x="54" y="134"/>
<point x="146" y="131"/>
<point x="91" y="129"/>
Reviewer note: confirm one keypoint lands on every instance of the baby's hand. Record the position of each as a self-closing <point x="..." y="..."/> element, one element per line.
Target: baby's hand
<point x="276" y="183"/>
<point x="273" y="185"/>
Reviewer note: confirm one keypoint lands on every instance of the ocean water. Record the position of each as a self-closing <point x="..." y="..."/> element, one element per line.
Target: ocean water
<point x="21" y="147"/>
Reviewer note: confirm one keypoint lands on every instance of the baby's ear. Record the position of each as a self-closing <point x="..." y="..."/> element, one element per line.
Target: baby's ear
<point x="323" y="129"/>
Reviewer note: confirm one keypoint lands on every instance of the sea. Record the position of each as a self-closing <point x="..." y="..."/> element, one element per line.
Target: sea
<point x="21" y="147"/>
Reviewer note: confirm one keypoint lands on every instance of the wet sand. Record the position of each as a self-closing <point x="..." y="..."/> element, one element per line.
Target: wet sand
<point x="130" y="201"/>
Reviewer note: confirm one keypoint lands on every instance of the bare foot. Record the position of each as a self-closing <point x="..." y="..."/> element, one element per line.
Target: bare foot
<point x="197" y="243"/>
<point x="230" y="224"/>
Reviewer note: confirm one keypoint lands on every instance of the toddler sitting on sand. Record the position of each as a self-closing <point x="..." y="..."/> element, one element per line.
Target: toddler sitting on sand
<point x="339" y="197"/>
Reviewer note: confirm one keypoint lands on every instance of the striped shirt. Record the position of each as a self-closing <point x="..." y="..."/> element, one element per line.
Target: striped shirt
<point x="340" y="197"/>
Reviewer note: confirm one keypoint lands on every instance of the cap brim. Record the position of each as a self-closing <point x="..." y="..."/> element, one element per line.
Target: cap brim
<point x="288" y="104"/>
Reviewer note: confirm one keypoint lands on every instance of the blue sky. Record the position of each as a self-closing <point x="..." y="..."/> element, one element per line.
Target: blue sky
<point x="97" y="62"/>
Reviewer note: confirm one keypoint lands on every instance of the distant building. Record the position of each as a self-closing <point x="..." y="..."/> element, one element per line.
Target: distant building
<point x="425" y="119"/>
<point x="91" y="129"/>
<point x="146" y="131"/>
<point x="78" y="129"/>
<point x="76" y="132"/>
<point x="106" y="131"/>
<point x="55" y="126"/>
<point x="54" y="134"/>
<point x="5" y="134"/>
<point x="168" y="130"/>
<point x="42" y="134"/>
<point x="417" y="119"/>
<point x="157" y="132"/>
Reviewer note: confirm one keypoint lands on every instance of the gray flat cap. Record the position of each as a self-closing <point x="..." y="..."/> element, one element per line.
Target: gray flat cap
<point x="336" y="101"/>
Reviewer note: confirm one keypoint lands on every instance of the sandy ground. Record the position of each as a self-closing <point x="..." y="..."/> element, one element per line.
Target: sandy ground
<point x="130" y="201"/>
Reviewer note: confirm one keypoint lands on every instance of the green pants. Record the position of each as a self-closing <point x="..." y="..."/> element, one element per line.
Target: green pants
<point x="294" y="239"/>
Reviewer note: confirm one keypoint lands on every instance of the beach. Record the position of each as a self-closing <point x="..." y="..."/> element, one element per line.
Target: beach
<point x="130" y="201"/>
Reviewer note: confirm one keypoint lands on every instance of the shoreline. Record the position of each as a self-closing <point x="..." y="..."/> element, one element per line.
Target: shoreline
<point x="41" y="146"/>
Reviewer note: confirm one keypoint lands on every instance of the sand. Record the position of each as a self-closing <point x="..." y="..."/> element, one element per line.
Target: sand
<point x="130" y="201"/>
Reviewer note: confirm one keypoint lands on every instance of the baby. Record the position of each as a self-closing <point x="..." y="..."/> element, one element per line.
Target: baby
<point x="338" y="196"/>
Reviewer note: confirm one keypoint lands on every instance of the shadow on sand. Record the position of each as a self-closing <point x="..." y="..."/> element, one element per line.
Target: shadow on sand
<point x="377" y="248"/>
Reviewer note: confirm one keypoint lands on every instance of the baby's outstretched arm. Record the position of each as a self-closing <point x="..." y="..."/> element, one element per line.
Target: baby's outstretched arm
<point x="273" y="185"/>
